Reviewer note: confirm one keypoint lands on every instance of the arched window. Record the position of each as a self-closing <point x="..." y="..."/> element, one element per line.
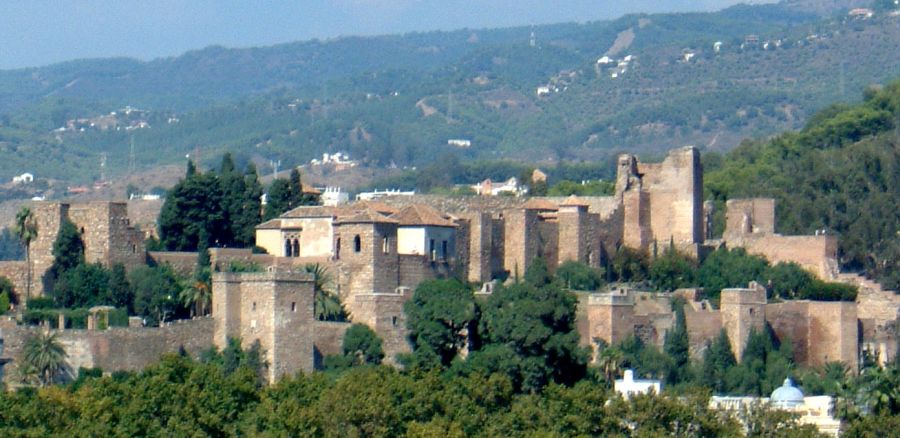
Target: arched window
<point x="444" y="249"/>
<point x="337" y="249"/>
<point x="296" y="248"/>
<point x="357" y="243"/>
<point x="287" y="248"/>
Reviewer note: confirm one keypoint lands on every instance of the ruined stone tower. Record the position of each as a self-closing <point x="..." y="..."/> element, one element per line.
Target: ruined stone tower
<point x="105" y="229"/>
<point x="663" y="202"/>
<point x="274" y="308"/>
<point x="743" y="310"/>
<point x="367" y="248"/>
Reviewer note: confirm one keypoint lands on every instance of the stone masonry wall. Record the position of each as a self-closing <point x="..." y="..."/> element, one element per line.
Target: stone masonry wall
<point x="817" y="254"/>
<point x="17" y="273"/>
<point x="329" y="340"/>
<point x="273" y="308"/>
<point x="549" y="242"/>
<point x="833" y="334"/>
<point x="574" y="234"/>
<point x="521" y="240"/>
<point x="48" y="216"/>
<point x="675" y="187"/>
<point x="384" y="314"/>
<point x="703" y="326"/>
<point x="114" y="349"/>
<point x="183" y="263"/>
<point x="743" y="310"/>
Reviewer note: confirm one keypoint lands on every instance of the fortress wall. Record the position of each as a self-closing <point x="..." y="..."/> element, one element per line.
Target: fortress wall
<point x="184" y="263"/>
<point x="817" y="254"/>
<point x="17" y="273"/>
<point x="498" y="245"/>
<point x="329" y="339"/>
<point x="744" y="217"/>
<point x="636" y="219"/>
<point x="675" y="187"/>
<point x="790" y="322"/>
<point x="521" y="241"/>
<point x="549" y="242"/>
<point x="743" y="310"/>
<point x="48" y="216"/>
<point x="383" y="313"/>
<point x="833" y="334"/>
<point x="574" y="236"/>
<point x="415" y="269"/>
<point x="652" y="328"/>
<point x="703" y="327"/>
<point x="114" y="349"/>
<point x="480" y="238"/>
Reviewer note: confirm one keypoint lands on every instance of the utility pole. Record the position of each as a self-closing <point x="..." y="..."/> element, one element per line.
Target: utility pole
<point x="131" y="157"/>
<point x="103" y="166"/>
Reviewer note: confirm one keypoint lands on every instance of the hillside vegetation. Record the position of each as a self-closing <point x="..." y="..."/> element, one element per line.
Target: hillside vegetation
<point x="396" y="100"/>
<point x="841" y="174"/>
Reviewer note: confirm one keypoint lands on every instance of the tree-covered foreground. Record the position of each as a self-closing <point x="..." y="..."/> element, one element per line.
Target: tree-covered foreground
<point x="506" y="365"/>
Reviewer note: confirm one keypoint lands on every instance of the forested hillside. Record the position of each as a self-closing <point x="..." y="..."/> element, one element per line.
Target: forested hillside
<point x="841" y="174"/>
<point x="396" y="100"/>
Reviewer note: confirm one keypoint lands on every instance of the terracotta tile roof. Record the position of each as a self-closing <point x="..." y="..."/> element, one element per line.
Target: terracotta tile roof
<point x="419" y="214"/>
<point x="366" y="215"/>
<point x="378" y="206"/>
<point x="574" y="201"/>
<point x="273" y="224"/>
<point x="540" y="204"/>
<point x="312" y="211"/>
<point x="310" y="190"/>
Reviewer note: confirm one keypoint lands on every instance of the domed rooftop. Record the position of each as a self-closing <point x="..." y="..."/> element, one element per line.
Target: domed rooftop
<point x="787" y="395"/>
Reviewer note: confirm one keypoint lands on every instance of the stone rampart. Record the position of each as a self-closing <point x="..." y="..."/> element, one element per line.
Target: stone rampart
<point x="113" y="349"/>
<point x="703" y="326"/>
<point x="384" y="314"/>
<point x="329" y="340"/>
<point x="17" y="273"/>
<point x="817" y="254"/>
<point x="183" y="263"/>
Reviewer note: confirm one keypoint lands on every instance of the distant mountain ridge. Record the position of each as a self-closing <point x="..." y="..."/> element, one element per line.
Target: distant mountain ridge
<point x="709" y="79"/>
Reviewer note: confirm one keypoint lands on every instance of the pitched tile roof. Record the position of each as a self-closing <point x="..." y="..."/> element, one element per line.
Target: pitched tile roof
<point x="540" y="204"/>
<point x="418" y="214"/>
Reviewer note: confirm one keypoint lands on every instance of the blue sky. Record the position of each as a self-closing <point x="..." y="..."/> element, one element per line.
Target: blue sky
<point x="40" y="32"/>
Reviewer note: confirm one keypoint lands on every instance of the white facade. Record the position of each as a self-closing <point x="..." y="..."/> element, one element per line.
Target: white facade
<point x="436" y="242"/>
<point x="628" y="386"/>
<point x="334" y="196"/>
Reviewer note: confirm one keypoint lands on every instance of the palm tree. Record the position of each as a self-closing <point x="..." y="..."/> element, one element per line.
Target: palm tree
<point x="328" y="306"/>
<point x="44" y="358"/>
<point x="197" y="297"/>
<point x="610" y="360"/>
<point x="26" y="230"/>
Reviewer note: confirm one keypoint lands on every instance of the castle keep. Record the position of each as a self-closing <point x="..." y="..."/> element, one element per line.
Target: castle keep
<point x="378" y="252"/>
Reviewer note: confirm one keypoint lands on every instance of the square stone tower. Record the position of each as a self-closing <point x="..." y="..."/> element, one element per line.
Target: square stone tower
<point x="607" y="316"/>
<point x="521" y="240"/>
<point x="105" y="230"/>
<point x="574" y="232"/>
<point x="743" y="310"/>
<point x="274" y="308"/>
<point x="367" y="255"/>
<point x="662" y="202"/>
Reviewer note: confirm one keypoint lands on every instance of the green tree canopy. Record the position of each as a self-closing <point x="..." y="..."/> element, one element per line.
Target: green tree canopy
<point x="438" y="316"/>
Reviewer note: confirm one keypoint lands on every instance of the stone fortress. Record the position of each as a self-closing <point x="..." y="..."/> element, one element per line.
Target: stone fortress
<point x="379" y="251"/>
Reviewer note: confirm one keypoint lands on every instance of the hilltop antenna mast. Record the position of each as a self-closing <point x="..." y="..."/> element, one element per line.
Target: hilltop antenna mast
<point x="843" y="80"/>
<point x="533" y="41"/>
<point x="449" y="105"/>
<point x="131" y="157"/>
<point x="103" y="167"/>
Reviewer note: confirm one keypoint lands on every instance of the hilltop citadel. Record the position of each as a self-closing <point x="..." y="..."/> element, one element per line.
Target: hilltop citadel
<point x="379" y="251"/>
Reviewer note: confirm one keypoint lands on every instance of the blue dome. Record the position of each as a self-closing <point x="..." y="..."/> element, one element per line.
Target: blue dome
<point x="787" y="395"/>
